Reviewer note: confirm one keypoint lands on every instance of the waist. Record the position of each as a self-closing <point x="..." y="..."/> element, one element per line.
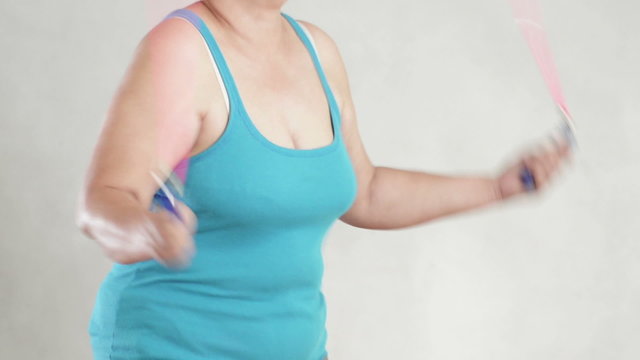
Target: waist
<point x="208" y="319"/>
<point x="227" y="266"/>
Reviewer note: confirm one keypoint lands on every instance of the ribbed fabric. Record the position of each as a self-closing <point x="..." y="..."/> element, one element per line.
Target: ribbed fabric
<point x="253" y="290"/>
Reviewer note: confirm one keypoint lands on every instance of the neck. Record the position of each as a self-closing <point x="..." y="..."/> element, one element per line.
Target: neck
<point x="256" y="22"/>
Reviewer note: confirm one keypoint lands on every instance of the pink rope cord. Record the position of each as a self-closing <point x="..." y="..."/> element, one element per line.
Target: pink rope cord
<point x="527" y="14"/>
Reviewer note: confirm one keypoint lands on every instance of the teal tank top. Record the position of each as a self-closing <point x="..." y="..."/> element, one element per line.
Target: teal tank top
<point x="253" y="290"/>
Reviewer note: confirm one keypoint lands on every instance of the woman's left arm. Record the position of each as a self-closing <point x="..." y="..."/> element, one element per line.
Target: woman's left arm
<point x="390" y="198"/>
<point x="401" y="198"/>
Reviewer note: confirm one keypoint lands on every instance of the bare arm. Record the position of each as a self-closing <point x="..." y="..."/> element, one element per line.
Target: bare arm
<point x="402" y="198"/>
<point x="391" y="198"/>
<point x="153" y="119"/>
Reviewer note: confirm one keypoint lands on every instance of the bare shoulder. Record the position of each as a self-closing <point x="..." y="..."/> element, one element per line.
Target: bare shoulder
<point x="167" y="52"/>
<point x="174" y="37"/>
<point x="321" y="37"/>
<point x="330" y="57"/>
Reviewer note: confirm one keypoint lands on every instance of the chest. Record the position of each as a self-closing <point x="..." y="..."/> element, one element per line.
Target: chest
<point x="244" y="184"/>
<point x="283" y="97"/>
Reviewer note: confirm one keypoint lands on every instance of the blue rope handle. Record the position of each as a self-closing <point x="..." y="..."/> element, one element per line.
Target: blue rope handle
<point x="527" y="179"/>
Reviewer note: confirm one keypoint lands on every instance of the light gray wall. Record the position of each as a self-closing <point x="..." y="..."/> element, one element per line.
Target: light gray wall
<point x="442" y="86"/>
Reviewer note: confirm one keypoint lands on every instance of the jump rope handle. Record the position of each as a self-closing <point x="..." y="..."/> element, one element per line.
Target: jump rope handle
<point x="165" y="197"/>
<point x="526" y="175"/>
<point x="527" y="179"/>
<point x="165" y="202"/>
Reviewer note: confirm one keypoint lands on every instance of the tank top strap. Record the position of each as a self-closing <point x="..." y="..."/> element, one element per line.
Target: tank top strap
<point x="312" y="49"/>
<point x="230" y="89"/>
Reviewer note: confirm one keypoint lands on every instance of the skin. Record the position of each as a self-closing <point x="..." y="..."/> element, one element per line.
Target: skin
<point x="170" y="96"/>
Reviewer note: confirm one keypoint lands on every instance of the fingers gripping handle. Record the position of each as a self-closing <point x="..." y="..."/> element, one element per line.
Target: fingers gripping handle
<point x="568" y="133"/>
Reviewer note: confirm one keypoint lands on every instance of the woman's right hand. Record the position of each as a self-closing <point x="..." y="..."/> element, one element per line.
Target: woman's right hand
<point x="162" y="236"/>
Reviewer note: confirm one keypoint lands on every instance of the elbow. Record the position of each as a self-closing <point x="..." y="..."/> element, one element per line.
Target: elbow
<point x="361" y="216"/>
<point x="83" y="216"/>
<point x="364" y="222"/>
<point x="82" y="223"/>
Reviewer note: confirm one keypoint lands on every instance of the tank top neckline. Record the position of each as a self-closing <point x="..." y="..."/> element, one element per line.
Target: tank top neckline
<point x="237" y="110"/>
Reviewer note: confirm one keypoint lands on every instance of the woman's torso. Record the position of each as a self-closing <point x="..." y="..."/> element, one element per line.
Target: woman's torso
<point x="253" y="290"/>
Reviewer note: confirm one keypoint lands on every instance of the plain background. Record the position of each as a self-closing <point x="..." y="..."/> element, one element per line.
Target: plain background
<point x="439" y="86"/>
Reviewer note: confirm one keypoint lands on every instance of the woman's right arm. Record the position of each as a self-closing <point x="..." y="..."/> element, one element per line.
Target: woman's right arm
<point x="154" y="119"/>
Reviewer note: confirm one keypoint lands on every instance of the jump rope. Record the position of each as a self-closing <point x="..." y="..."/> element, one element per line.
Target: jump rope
<point x="527" y="15"/>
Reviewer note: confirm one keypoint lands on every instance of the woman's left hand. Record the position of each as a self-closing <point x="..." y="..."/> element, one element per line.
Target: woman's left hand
<point x="543" y="163"/>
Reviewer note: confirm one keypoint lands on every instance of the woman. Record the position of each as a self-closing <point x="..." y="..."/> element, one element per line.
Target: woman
<point x="270" y="132"/>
